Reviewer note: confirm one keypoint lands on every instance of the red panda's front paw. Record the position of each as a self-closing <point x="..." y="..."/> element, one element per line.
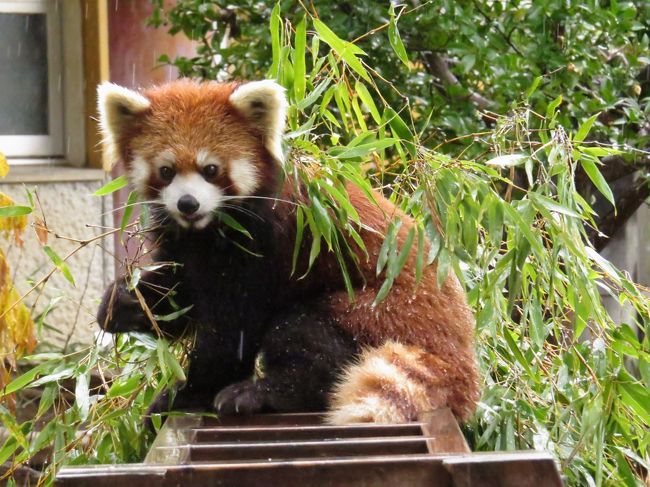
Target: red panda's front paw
<point x="246" y="398"/>
<point x="120" y="310"/>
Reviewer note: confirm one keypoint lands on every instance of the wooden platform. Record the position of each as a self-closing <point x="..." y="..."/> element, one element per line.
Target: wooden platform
<point x="297" y="449"/>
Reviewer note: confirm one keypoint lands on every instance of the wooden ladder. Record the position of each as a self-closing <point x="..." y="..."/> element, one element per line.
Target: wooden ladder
<point x="299" y="450"/>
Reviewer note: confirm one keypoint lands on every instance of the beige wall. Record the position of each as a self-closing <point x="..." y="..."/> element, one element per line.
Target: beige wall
<point x="69" y="207"/>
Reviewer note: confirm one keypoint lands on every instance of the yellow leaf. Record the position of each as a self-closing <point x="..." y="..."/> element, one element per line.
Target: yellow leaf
<point x="16" y="325"/>
<point x="4" y="166"/>
<point x="14" y="224"/>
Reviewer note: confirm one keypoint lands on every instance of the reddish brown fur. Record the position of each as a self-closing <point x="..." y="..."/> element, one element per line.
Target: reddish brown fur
<point x="435" y="322"/>
<point x="422" y="314"/>
<point x="186" y="116"/>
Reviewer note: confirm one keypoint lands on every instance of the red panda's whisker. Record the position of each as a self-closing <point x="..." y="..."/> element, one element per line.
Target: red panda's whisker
<point x="246" y="211"/>
<point x="227" y="198"/>
<point x="228" y="187"/>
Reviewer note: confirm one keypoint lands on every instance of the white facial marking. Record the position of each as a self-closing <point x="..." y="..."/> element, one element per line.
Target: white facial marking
<point x="140" y="173"/>
<point x="165" y="158"/>
<point x="265" y="104"/>
<point x="116" y="107"/>
<point x="244" y="176"/>
<point x="208" y="195"/>
<point x="204" y="158"/>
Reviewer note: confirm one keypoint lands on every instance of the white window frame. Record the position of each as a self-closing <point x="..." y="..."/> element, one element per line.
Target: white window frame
<point x="65" y="141"/>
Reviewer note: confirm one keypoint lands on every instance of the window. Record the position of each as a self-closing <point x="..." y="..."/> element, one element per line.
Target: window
<point x="41" y="119"/>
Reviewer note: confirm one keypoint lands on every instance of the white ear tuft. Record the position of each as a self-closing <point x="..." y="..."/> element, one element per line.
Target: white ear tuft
<point x="265" y="105"/>
<point x="117" y="106"/>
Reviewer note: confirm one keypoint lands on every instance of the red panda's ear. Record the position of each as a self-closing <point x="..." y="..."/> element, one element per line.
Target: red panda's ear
<point x="264" y="104"/>
<point x="117" y="107"/>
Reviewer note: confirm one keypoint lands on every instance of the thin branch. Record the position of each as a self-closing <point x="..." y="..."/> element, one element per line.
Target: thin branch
<point x="439" y="67"/>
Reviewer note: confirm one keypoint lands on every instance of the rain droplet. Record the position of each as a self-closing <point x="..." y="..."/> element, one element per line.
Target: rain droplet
<point x="240" y="350"/>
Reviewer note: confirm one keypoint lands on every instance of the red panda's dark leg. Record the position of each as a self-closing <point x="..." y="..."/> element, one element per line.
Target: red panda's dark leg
<point x="215" y="362"/>
<point x="121" y="310"/>
<point x="301" y="357"/>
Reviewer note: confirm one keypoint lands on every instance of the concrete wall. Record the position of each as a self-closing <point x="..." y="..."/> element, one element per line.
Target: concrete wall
<point x="629" y="250"/>
<point x="71" y="211"/>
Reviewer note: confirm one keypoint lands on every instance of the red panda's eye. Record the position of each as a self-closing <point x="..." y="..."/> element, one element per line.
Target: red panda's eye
<point x="167" y="173"/>
<point x="210" y="171"/>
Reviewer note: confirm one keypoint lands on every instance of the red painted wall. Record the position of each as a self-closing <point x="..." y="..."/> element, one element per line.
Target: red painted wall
<point x="135" y="47"/>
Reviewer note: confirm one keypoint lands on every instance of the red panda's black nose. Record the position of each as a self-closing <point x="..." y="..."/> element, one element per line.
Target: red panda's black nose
<point x="187" y="204"/>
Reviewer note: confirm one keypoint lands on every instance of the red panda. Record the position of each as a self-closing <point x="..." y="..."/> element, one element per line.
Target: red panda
<point x="200" y="149"/>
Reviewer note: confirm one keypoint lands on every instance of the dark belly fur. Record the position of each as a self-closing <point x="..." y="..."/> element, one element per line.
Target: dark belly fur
<point x="245" y="306"/>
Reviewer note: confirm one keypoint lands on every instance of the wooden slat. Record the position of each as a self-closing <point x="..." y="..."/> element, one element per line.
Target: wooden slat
<point x="505" y="469"/>
<point x="288" y="433"/>
<point x="442" y="432"/>
<point x="136" y="474"/>
<point x="307" y="449"/>
<point x="405" y="471"/>
<point x="296" y="419"/>
<point x="298" y="449"/>
<point x="378" y="471"/>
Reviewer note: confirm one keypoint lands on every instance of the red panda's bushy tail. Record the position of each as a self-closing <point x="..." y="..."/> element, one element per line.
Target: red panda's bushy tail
<point x="397" y="382"/>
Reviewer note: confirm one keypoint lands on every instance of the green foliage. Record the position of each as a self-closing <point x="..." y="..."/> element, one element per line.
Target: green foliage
<point x="560" y="374"/>
<point x="102" y="421"/>
<point x="590" y="52"/>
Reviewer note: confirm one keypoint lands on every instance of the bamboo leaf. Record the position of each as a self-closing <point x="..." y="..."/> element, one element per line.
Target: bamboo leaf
<point x="82" y="396"/>
<point x="384" y="290"/>
<point x="300" y="228"/>
<point x="419" y="260"/>
<point x="174" y="365"/>
<point x="59" y="263"/>
<point x="367" y="100"/>
<point x="311" y="98"/>
<point x="552" y="107"/>
<point x="396" y="265"/>
<point x="507" y="160"/>
<point x="551" y="205"/>
<point x="14" y="210"/>
<point x="533" y="87"/>
<point x="363" y="149"/>
<point x="395" y="39"/>
<point x="175" y="315"/>
<point x="275" y="26"/>
<point x="112" y="186"/>
<point x="124" y="386"/>
<point x="299" y="74"/>
<point x="388" y="245"/>
<point x="128" y="210"/>
<point x="584" y="129"/>
<point x="22" y="381"/>
<point x="229" y="221"/>
<point x="346" y="50"/>
<point x="597" y="178"/>
<point x="444" y="263"/>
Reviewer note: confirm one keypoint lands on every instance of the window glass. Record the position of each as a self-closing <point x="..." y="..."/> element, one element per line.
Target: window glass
<point x="23" y="74"/>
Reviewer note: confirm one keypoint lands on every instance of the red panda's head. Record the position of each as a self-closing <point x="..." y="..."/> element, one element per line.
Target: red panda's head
<point x="190" y="146"/>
